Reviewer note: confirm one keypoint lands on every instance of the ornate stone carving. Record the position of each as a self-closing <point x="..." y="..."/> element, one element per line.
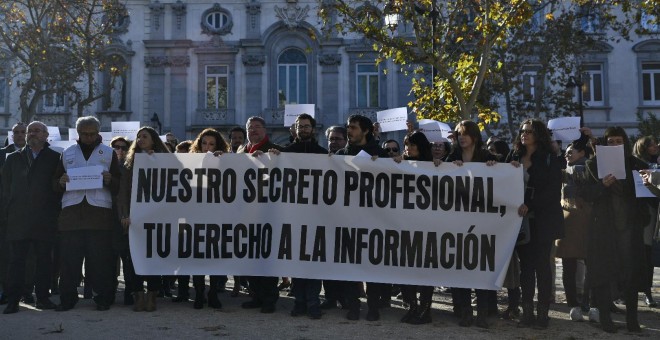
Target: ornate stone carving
<point x="165" y="61"/>
<point x="210" y="30"/>
<point x="330" y="59"/>
<point x="215" y="115"/>
<point x="180" y="60"/>
<point x="253" y="7"/>
<point x="179" y="10"/>
<point x="155" y="61"/>
<point x="292" y="15"/>
<point x="157" y="10"/>
<point x="254" y="59"/>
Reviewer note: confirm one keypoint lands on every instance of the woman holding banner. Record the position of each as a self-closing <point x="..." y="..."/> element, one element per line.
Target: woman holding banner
<point x="146" y="141"/>
<point x="542" y="206"/>
<point x="468" y="147"/>
<point x="418" y="148"/>
<point x="209" y="140"/>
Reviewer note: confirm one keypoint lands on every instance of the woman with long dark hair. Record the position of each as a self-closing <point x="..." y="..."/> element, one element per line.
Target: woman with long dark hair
<point x="468" y="147"/>
<point x="146" y="141"/>
<point x="542" y="206"/>
<point x="209" y="140"/>
<point x="417" y="147"/>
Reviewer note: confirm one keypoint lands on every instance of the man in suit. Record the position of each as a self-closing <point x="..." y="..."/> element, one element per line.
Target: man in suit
<point x="30" y="207"/>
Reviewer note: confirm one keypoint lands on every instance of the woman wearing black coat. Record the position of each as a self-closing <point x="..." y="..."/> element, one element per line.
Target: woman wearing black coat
<point x="532" y="149"/>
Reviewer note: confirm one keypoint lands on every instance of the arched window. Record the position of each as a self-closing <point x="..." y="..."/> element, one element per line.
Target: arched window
<point x="292" y="77"/>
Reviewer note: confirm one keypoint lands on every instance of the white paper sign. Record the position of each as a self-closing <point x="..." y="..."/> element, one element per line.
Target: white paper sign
<point x="566" y="129"/>
<point x="640" y="189"/>
<point x="163" y="138"/>
<point x="292" y="111"/>
<point x="88" y="177"/>
<point x="60" y="145"/>
<point x="10" y="136"/>
<point x="125" y="129"/>
<point x="611" y="160"/>
<point x="434" y="130"/>
<point x="393" y="119"/>
<point x="106" y="136"/>
<point x="54" y="133"/>
<point x="73" y="134"/>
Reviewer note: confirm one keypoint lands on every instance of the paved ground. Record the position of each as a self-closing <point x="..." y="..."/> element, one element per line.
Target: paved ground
<point x="180" y="320"/>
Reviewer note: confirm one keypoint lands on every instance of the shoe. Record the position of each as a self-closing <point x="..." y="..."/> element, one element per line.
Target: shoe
<point x="650" y="302"/>
<point x="467" y="318"/>
<point x="527" y="319"/>
<point x="422" y="314"/>
<point x="576" y="314"/>
<point x="373" y="315"/>
<point x="409" y="314"/>
<point x="213" y="300"/>
<point x="45" y="304"/>
<point x="327" y="304"/>
<point x="268" y="309"/>
<point x="542" y="318"/>
<point x="353" y="315"/>
<point x="12" y="307"/>
<point x="314" y="313"/>
<point x="594" y="315"/>
<point x="251" y="304"/>
<point x="102" y="308"/>
<point x="29" y="299"/>
<point x="181" y="298"/>
<point x="139" y="301"/>
<point x="481" y="321"/>
<point x="511" y="313"/>
<point x="150" y="302"/>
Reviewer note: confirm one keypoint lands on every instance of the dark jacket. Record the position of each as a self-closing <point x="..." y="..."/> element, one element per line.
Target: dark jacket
<point x="543" y="195"/>
<point x="29" y="204"/>
<point x="311" y="146"/>
<point x="371" y="147"/>
<point x="480" y="155"/>
<point x="616" y="215"/>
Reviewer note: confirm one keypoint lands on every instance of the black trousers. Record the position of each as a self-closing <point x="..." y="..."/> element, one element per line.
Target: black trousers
<point x="333" y="293"/>
<point x="95" y="247"/>
<point x="265" y="289"/>
<point x="535" y="269"/>
<point x="409" y="293"/>
<point x="43" y="251"/>
<point x="378" y="293"/>
<point x="351" y="293"/>
<point x="199" y="283"/>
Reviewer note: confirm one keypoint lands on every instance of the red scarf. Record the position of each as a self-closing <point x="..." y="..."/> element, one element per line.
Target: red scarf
<point x="252" y="148"/>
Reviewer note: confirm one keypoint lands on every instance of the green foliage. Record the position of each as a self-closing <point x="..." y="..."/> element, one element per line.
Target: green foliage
<point x="649" y="125"/>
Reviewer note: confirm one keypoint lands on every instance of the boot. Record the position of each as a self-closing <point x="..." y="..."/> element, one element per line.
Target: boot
<point x="138" y="305"/>
<point x="150" y="301"/>
<point x="214" y="302"/>
<point x="199" y="298"/>
<point x="527" y="319"/>
<point x="412" y="310"/>
<point x="605" y="320"/>
<point x="481" y="321"/>
<point x="632" y="323"/>
<point x="542" y="318"/>
<point x="422" y="314"/>
<point x="467" y="318"/>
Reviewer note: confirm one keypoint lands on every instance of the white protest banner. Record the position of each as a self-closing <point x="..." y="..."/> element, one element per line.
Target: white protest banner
<point x="314" y="216"/>
<point x="292" y="111"/>
<point x="106" y="137"/>
<point x="393" y="119"/>
<point x="54" y="133"/>
<point x="73" y="134"/>
<point x="60" y="145"/>
<point x="434" y="130"/>
<point x="640" y="189"/>
<point x="83" y="178"/>
<point x="565" y="129"/>
<point x="10" y="136"/>
<point x="611" y="161"/>
<point x="125" y="129"/>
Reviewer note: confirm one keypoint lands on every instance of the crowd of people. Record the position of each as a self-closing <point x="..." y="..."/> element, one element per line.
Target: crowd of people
<point x="597" y="226"/>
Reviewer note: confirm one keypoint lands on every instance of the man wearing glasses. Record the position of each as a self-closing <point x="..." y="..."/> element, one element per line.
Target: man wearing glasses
<point x="392" y="147"/>
<point x="336" y="136"/>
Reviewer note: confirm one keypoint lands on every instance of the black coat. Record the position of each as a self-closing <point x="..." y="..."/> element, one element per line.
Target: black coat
<point x="29" y="204"/>
<point x="543" y="195"/>
<point x="305" y="147"/>
<point x="371" y="147"/>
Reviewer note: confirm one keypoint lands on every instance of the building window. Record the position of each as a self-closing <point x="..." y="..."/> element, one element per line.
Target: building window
<point x="3" y="92"/>
<point x="590" y="20"/>
<point x="216" y="86"/>
<point x="529" y="84"/>
<point x="292" y="77"/>
<point x="54" y="102"/>
<point x="368" y="86"/>
<point x="216" y="20"/>
<point x="592" y="88"/>
<point x="651" y="83"/>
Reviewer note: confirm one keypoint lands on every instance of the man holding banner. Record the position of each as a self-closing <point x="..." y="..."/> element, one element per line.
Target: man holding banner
<point x="264" y="287"/>
<point x="305" y="291"/>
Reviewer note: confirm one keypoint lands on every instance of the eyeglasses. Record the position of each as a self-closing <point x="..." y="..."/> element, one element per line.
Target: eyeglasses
<point x="304" y="127"/>
<point x="87" y="134"/>
<point x="120" y="147"/>
<point x="335" y="139"/>
<point x="392" y="149"/>
<point x="526" y="132"/>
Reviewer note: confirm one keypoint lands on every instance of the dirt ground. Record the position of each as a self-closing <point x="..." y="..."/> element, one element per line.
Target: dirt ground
<point x="180" y="320"/>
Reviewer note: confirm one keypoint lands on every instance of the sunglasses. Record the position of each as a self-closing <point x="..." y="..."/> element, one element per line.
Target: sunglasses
<point x="122" y="147"/>
<point x="392" y="149"/>
<point x="335" y="139"/>
<point x="526" y="132"/>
